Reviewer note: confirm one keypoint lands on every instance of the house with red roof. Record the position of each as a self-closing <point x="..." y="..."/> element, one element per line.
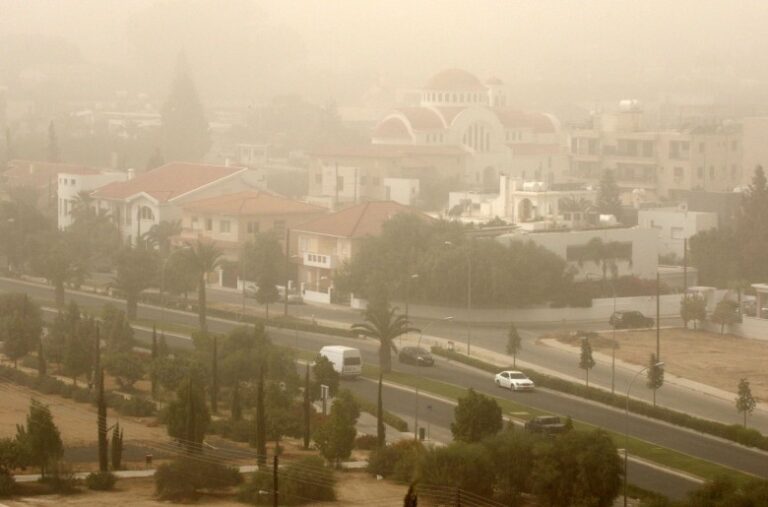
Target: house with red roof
<point x="146" y="199"/>
<point x="462" y="134"/>
<point x="327" y="242"/>
<point x="233" y="219"/>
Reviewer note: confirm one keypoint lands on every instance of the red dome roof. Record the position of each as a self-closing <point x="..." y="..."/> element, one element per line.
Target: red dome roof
<point x="392" y="128"/>
<point x="454" y="79"/>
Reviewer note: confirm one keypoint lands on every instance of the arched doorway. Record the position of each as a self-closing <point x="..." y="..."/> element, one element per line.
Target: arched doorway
<point x="525" y="210"/>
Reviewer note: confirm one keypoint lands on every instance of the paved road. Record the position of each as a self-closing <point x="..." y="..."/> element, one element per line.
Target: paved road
<point x="679" y="439"/>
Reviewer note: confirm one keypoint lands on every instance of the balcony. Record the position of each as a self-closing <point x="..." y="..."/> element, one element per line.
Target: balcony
<point x="318" y="260"/>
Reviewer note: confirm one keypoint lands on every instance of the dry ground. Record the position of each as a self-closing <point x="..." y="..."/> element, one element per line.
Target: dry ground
<point x="709" y="358"/>
<point x="353" y="488"/>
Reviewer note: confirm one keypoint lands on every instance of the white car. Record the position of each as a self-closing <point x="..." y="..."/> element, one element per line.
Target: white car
<point x="514" y="380"/>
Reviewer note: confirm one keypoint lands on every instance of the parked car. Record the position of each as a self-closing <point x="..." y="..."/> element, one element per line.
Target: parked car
<point x="547" y="424"/>
<point x="630" y="320"/>
<point x="514" y="380"/>
<point x="415" y="355"/>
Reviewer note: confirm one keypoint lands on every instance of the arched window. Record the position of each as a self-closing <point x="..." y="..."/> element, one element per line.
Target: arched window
<point x="145" y="213"/>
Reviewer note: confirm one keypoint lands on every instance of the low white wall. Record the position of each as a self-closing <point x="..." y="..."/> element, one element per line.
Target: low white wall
<point x="316" y="297"/>
<point x="750" y="327"/>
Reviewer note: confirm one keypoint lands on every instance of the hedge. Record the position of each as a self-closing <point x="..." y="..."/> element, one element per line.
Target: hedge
<point x="733" y="432"/>
<point x="389" y="418"/>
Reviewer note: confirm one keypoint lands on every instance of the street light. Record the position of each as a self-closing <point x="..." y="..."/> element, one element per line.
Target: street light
<point x="469" y="298"/>
<point x="626" y="423"/>
<point x="421" y="331"/>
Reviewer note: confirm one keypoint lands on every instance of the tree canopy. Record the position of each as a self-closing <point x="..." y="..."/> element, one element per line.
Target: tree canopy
<point x="185" y="134"/>
<point x="476" y="417"/>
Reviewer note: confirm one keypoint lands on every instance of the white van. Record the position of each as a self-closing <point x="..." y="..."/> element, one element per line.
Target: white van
<point x="346" y="360"/>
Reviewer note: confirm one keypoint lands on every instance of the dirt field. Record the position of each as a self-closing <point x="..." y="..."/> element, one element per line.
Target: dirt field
<point x="76" y="421"/>
<point x="709" y="358"/>
<point x="353" y="488"/>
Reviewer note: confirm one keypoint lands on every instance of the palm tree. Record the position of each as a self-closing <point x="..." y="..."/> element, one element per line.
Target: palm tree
<point x="81" y="207"/>
<point x="136" y="272"/>
<point x="606" y="255"/>
<point x="60" y="262"/>
<point x="159" y="235"/>
<point x="203" y="257"/>
<point x="382" y="324"/>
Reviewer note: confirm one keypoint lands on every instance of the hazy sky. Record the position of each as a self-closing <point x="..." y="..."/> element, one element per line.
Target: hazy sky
<point x="251" y="49"/>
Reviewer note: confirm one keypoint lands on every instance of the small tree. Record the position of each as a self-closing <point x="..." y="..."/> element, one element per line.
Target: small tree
<point x="307" y="408"/>
<point x="21" y="325"/>
<point x="324" y="374"/>
<point x="693" y="308"/>
<point x="655" y="376"/>
<point x="608" y="201"/>
<point x="126" y="367"/>
<point x="188" y="416"/>
<point x="101" y="423"/>
<point x="117" y="447"/>
<point x="155" y="357"/>
<point x="586" y="361"/>
<point x="475" y="417"/>
<point x="726" y="313"/>
<point x="335" y="436"/>
<point x="514" y="343"/>
<point x="40" y="438"/>
<point x="260" y="433"/>
<point x="745" y="402"/>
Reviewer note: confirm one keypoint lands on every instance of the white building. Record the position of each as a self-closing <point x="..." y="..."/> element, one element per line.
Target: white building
<point x="635" y="249"/>
<point x="401" y="190"/>
<point x="149" y="198"/>
<point x="72" y="182"/>
<point x="675" y="225"/>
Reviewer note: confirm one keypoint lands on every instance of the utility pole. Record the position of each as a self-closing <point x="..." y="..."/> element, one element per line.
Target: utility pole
<point x="287" y="269"/>
<point x="274" y="481"/>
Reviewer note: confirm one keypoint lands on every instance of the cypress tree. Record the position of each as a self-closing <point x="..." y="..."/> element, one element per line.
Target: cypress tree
<point x="307" y="408"/>
<point x="117" y="447"/>
<point x="42" y="366"/>
<point x="152" y="373"/>
<point x="261" y="422"/>
<point x="101" y="422"/>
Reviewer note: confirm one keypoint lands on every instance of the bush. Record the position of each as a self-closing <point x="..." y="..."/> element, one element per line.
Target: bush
<point x="389" y="418"/>
<point x="239" y="431"/>
<point x="101" y="481"/>
<point x="7" y="485"/>
<point x="307" y="479"/>
<point x="183" y="478"/>
<point x="136" y="407"/>
<point x="257" y="491"/>
<point x="61" y="479"/>
<point x="366" y="442"/>
<point x="82" y="396"/>
<point x="397" y="461"/>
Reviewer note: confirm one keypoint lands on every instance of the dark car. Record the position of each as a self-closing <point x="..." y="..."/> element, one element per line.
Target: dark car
<point x="630" y="320"/>
<point x="548" y="424"/>
<point x="415" y="355"/>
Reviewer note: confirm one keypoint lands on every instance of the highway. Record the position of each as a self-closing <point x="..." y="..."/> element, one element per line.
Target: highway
<point x="662" y="434"/>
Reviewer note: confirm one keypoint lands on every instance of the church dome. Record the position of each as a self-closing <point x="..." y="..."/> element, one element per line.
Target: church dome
<point x="454" y="79"/>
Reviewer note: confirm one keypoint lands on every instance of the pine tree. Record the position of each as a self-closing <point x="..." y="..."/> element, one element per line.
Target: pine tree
<point x="307" y="408"/>
<point x="655" y="375"/>
<point x="745" y="402"/>
<point x="101" y="424"/>
<point x="40" y="438"/>
<point x="586" y="361"/>
<point x="608" y="201"/>
<point x="185" y="134"/>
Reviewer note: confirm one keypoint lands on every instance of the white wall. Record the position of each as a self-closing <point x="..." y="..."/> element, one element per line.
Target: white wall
<point x="69" y="185"/>
<point x="644" y="248"/>
<point x="674" y="225"/>
<point x="401" y="190"/>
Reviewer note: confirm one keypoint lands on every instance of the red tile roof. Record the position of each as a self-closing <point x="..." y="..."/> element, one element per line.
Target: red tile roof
<point x="386" y="151"/>
<point x="422" y="118"/>
<point x="253" y="202"/>
<point x="167" y="182"/>
<point x="514" y="118"/>
<point x="358" y="221"/>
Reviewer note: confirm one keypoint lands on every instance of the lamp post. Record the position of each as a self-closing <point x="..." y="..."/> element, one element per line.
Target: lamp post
<point x="626" y="423"/>
<point x="421" y="331"/>
<point x="469" y="299"/>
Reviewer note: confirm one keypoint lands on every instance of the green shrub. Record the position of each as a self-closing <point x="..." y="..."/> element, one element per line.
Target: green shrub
<point x="397" y="461"/>
<point x="366" y="442"/>
<point x="184" y="478"/>
<point x="101" y="481"/>
<point x="307" y="479"/>
<point x="82" y="396"/>
<point x="7" y="485"/>
<point x="239" y="431"/>
<point x="61" y="479"/>
<point x="137" y="407"/>
<point x="389" y="418"/>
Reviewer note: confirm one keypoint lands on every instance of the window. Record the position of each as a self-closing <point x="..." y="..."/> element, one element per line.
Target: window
<point x="319" y="178"/>
<point x="145" y="213"/>
<point x="339" y="182"/>
<point x="279" y="227"/>
<point x="194" y="223"/>
<point x="711" y="172"/>
<point x="701" y="147"/>
<point x="677" y="233"/>
<point x="208" y="224"/>
<point x="363" y="179"/>
<point x="700" y="172"/>
<point x="224" y="226"/>
<point x="678" y="173"/>
<point x="253" y="227"/>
